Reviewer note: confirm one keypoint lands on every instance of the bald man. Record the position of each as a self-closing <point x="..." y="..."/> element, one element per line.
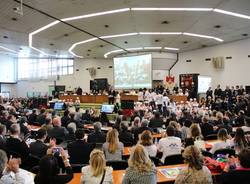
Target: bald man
<point x="58" y="131"/>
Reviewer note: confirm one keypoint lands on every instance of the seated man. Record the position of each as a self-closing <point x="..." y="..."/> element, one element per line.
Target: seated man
<point x="58" y="131"/>
<point x="79" y="150"/>
<point x="97" y="136"/>
<point x="156" y="121"/>
<point x="15" y="145"/>
<point x="10" y="172"/>
<point x="38" y="148"/>
<point x="169" y="145"/>
<point x="144" y="126"/>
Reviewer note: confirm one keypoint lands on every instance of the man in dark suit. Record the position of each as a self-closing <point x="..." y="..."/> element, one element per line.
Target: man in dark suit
<point x="2" y="136"/>
<point x="58" y="131"/>
<point x="38" y="148"/>
<point x="125" y="136"/>
<point x="138" y="131"/>
<point x="41" y="117"/>
<point x="206" y="127"/>
<point x="97" y="136"/>
<point x="156" y="121"/>
<point x="15" y="145"/>
<point x="79" y="150"/>
<point x="32" y="117"/>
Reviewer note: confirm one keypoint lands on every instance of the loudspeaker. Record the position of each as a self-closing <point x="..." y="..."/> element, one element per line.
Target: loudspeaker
<point x="127" y="104"/>
<point x="218" y="62"/>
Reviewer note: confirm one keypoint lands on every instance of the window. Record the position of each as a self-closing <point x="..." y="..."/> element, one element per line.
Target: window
<point x="44" y="68"/>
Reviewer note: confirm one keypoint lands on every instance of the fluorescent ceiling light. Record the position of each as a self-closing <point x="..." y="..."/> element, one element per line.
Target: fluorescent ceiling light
<point x="75" y="54"/>
<point x="203" y="36"/>
<point x="7" y="49"/>
<point x="132" y="49"/>
<point x="118" y="35"/>
<point x="171" y="48"/>
<point x="231" y="13"/>
<point x="172" y="9"/>
<point x="95" y="14"/>
<point x="160" y="33"/>
<point x="152" y="47"/>
<point x="44" y="27"/>
<point x="114" y="51"/>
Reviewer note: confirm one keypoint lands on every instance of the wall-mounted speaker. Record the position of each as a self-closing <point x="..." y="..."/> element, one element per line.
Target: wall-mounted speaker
<point x="218" y="62"/>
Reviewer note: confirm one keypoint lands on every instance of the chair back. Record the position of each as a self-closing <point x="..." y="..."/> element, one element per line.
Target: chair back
<point x="174" y="159"/>
<point x="229" y="151"/>
<point x="77" y="168"/>
<point x="117" y="164"/>
<point x="206" y="154"/>
<point x="156" y="161"/>
<point x="210" y="137"/>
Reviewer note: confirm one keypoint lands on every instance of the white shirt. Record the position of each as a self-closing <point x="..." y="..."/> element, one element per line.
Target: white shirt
<point x="159" y="99"/>
<point x="140" y="96"/>
<point x="169" y="146"/>
<point x="220" y="145"/>
<point x="245" y="128"/>
<point x="165" y="100"/>
<point x="88" y="178"/>
<point x="152" y="150"/>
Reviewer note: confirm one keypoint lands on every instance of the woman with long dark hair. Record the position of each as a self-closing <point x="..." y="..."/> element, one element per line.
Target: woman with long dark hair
<point x="49" y="170"/>
<point x="239" y="141"/>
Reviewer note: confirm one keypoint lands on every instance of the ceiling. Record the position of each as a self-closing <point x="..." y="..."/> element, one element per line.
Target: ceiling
<point x="58" y="39"/>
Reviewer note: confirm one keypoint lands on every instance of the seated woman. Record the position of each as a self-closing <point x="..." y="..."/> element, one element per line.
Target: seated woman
<point x="146" y="139"/>
<point x="239" y="142"/>
<point x="49" y="169"/>
<point x="112" y="148"/>
<point x="141" y="169"/>
<point x="97" y="172"/>
<point x="196" y="172"/>
<point x="195" y="137"/>
<point x="223" y="141"/>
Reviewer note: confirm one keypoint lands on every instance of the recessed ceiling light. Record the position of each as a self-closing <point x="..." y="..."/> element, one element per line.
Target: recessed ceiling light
<point x="185" y="42"/>
<point x="126" y="42"/>
<point x="88" y="54"/>
<point x="55" y="51"/>
<point x="157" y="40"/>
<point x="164" y="22"/>
<point x="66" y="35"/>
<point x="101" y="45"/>
<point x="20" y="48"/>
<point x="5" y="37"/>
<point x="245" y="34"/>
<point x="106" y="26"/>
<point x="51" y="44"/>
<point x="217" y="26"/>
<point x="203" y="46"/>
<point x="89" y="50"/>
<point x="14" y="18"/>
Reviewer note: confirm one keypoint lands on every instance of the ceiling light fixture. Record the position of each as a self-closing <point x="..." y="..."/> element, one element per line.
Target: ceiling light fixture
<point x="231" y="13"/>
<point x="171" y="9"/>
<point x="111" y="52"/>
<point x="202" y="36"/>
<point x="152" y="48"/>
<point x="10" y="50"/>
<point x="118" y="35"/>
<point x="96" y="14"/>
<point x="160" y="33"/>
<point x="171" y="48"/>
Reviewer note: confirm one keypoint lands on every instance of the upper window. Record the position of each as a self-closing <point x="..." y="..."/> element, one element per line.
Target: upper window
<point x="44" y="68"/>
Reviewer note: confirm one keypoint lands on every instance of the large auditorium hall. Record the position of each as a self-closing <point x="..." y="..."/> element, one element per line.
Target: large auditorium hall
<point x="124" y="91"/>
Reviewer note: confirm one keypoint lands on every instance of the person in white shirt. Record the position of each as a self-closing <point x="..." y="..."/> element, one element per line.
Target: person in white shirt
<point x="246" y="128"/>
<point x="223" y="141"/>
<point x="159" y="101"/>
<point x="169" y="145"/>
<point x="165" y="101"/>
<point x="97" y="172"/>
<point x="146" y="139"/>
<point x="140" y="95"/>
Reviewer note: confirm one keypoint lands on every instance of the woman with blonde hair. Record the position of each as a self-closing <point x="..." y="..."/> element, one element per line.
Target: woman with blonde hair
<point x="146" y="139"/>
<point x="196" y="172"/>
<point x="223" y="141"/>
<point x="97" y="172"/>
<point x="113" y="148"/>
<point x="141" y="170"/>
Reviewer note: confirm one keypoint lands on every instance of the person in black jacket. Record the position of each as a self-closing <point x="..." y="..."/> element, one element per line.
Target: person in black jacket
<point x="49" y="170"/>
<point x="65" y="119"/>
<point x="15" y="145"/>
<point x="125" y="136"/>
<point x="58" y="131"/>
<point x="38" y="148"/>
<point x="97" y="136"/>
<point x="240" y="175"/>
<point x="206" y="127"/>
<point x="41" y="117"/>
<point x="32" y="117"/>
<point x="156" y="121"/>
<point x="79" y="150"/>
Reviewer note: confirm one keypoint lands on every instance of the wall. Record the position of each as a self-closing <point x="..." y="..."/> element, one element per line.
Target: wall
<point x="236" y="71"/>
<point x="79" y="78"/>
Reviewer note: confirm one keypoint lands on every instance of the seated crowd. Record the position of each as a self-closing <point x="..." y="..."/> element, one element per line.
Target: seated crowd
<point x="48" y="145"/>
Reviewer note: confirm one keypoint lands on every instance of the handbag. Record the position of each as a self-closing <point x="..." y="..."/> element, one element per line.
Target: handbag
<point x="103" y="176"/>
